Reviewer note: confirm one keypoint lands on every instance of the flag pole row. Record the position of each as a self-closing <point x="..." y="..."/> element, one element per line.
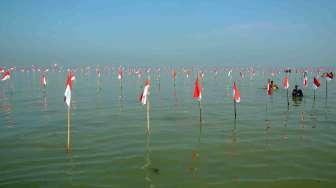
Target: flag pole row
<point x="144" y="97"/>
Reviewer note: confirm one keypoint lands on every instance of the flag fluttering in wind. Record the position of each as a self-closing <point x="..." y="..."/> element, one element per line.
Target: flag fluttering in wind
<point x="316" y="83"/>
<point x="144" y="95"/>
<point x="197" y="91"/>
<point x="329" y="76"/>
<point x="43" y="81"/>
<point x="2" y="70"/>
<point x="120" y="73"/>
<point x="286" y="86"/>
<point x="6" y="75"/>
<point x="285" y="82"/>
<point x="144" y="99"/>
<point x="67" y="100"/>
<point x="235" y="93"/>
<point x="236" y="98"/>
<point x="269" y="88"/>
<point x="68" y="89"/>
<point x="305" y="79"/>
<point x="198" y="96"/>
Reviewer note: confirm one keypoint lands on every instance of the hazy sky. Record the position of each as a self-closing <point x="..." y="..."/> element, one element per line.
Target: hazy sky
<point x="168" y="32"/>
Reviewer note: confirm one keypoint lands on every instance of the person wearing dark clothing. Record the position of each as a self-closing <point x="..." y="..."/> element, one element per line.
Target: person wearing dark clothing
<point x="297" y="92"/>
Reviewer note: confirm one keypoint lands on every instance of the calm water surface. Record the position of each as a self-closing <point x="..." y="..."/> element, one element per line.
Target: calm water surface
<point x="268" y="145"/>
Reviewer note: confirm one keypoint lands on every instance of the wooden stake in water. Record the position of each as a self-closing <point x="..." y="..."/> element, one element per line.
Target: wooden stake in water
<point x="200" y="108"/>
<point x="314" y="95"/>
<point x="68" y="144"/>
<point x="326" y="88"/>
<point x="148" y="128"/>
<point x="235" y="108"/>
<point x="287" y="100"/>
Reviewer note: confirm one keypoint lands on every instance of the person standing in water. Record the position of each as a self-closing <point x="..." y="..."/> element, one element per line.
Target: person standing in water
<point x="297" y="92"/>
<point x="274" y="86"/>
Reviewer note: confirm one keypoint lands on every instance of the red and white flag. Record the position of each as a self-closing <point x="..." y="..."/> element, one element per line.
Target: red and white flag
<point x="2" y="70"/>
<point x="120" y="73"/>
<point x="197" y="91"/>
<point x="305" y="80"/>
<point x="235" y="93"/>
<point x="285" y="82"/>
<point x="316" y="83"/>
<point x="329" y="76"/>
<point x="269" y="88"/>
<point x="68" y="89"/>
<point x="43" y="81"/>
<point x="144" y="95"/>
<point x="6" y="75"/>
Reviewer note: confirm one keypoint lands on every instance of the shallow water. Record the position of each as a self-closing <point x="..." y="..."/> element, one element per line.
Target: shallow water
<point x="267" y="146"/>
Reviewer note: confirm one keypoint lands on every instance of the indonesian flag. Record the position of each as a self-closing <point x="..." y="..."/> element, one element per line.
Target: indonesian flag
<point x="305" y="80"/>
<point x="6" y="75"/>
<point x="120" y="73"/>
<point x="285" y="82"/>
<point x="197" y="91"/>
<point x="144" y="95"/>
<point x="316" y="83"/>
<point x="269" y="89"/>
<point x="67" y="93"/>
<point x="235" y="93"/>
<point x="329" y="76"/>
<point x="43" y="80"/>
<point x="2" y="70"/>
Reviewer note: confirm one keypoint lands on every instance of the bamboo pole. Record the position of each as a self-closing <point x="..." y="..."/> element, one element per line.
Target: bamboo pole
<point x="287" y="100"/>
<point x="314" y="94"/>
<point x="326" y="88"/>
<point x="200" y="108"/>
<point x="148" y="128"/>
<point x="68" y="144"/>
<point x="235" y="108"/>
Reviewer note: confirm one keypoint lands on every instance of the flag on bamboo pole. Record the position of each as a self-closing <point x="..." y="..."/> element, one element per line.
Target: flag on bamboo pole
<point x="329" y="76"/>
<point x="197" y="91"/>
<point x="316" y="83"/>
<point x="6" y="75"/>
<point x="145" y="93"/>
<point x="269" y="88"/>
<point x="68" y="88"/>
<point x="235" y="93"/>
<point x="305" y="79"/>
<point x="43" y="81"/>
<point x="120" y="73"/>
<point x="285" y="82"/>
